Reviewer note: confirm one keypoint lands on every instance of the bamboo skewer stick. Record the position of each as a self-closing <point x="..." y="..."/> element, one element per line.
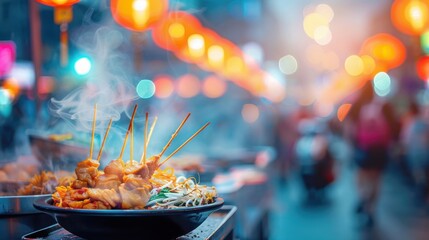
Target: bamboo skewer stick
<point x="132" y="142"/>
<point x="148" y="139"/>
<point x="186" y="142"/>
<point x="173" y="136"/>
<point x="104" y="140"/>
<point x="128" y="131"/>
<point x="93" y="131"/>
<point x="145" y="138"/>
<point x="151" y="130"/>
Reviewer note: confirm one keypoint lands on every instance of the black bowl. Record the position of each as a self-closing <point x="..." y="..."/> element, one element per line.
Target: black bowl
<point x="129" y="224"/>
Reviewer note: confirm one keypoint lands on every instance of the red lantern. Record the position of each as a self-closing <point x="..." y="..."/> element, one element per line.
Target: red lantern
<point x="213" y="53"/>
<point x="138" y="15"/>
<point x="172" y="32"/>
<point x="423" y="68"/>
<point x="410" y="16"/>
<point x="63" y="14"/>
<point x="58" y="3"/>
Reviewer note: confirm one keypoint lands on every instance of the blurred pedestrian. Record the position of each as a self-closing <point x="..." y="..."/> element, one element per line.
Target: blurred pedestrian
<point x="415" y="142"/>
<point x="314" y="159"/>
<point x="371" y="127"/>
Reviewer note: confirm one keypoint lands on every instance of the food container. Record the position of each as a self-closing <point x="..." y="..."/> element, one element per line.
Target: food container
<point x="56" y="154"/>
<point x="19" y="217"/>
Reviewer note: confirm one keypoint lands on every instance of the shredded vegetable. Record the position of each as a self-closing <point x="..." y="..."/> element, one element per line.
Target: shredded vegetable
<point x="183" y="192"/>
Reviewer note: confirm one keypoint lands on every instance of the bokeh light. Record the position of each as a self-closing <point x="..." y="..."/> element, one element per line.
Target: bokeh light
<point x="424" y="41"/>
<point x="145" y="89"/>
<point x="138" y="15"/>
<point x="368" y="64"/>
<point x="196" y="45"/>
<point x="385" y="49"/>
<point x="382" y="84"/>
<point x="7" y="56"/>
<point x="140" y="5"/>
<point x="250" y="113"/>
<point x="82" y="66"/>
<point x="234" y="65"/>
<point x="172" y="31"/>
<point x="176" y="30"/>
<point x="12" y="87"/>
<point x="188" y="86"/>
<point x="326" y="11"/>
<point x="215" y="54"/>
<point x="322" y="35"/>
<point x="275" y="88"/>
<point x="164" y="86"/>
<point x="213" y="86"/>
<point x="410" y="16"/>
<point x="5" y="102"/>
<point x="4" y="97"/>
<point x="288" y="64"/>
<point x="343" y="110"/>
<point x="354" y="65"/>
<point x="423" y="68"/>
<point x="313" y="21"/>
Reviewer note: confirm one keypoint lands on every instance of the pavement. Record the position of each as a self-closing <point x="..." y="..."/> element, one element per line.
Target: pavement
<point x="397" y="217"/>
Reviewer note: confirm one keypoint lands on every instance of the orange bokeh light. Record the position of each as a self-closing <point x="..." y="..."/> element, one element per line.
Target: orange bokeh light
<point x="58" y="3"/>
<point x="343" y="110"/>
<point x="213" y="86"/>
<point x="138" y="15"/>
<point x="188" y="86"/>
<point x="12" y="86"/>
<point x="385" y="49"/>
<point x="172" y="32"/>
<point x="423" y="68"/>
<point x="410" y="16"/>
<point x="164" y="86"/>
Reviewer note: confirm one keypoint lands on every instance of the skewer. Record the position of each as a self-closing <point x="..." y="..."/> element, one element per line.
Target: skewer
<point x="186" y="142"/>
<point x="128" y="131"/>
<point x="143" y="158"/>
<point x="132" y="142"/>
<point x="93" y="131"/>
<point x="104" y="140"/>
<point x="145" y="138"/>
<point x="151" y="130"/>
<point x="173" y="136"/>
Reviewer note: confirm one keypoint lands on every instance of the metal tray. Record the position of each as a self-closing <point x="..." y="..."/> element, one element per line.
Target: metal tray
<point x="219" y="225"/>
<point x="19" y="205"/>
<point x="18" y="216"/>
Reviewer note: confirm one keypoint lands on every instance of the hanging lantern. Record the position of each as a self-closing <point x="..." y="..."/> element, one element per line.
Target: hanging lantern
<point x="138" y="15"/>
<point x="214" y="52"/>
<point x="410" y="16"/>
<point x="423" y="68"/>
<point x="63" y="14"/>
<point x="385" y="49"/>
<point x="172" y="32"/>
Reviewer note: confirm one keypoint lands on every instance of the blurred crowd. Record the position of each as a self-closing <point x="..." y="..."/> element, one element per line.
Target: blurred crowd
<point x="374" y="136"/>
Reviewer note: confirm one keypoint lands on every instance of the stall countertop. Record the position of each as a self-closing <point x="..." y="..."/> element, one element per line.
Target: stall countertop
<point x="219" y="225"/>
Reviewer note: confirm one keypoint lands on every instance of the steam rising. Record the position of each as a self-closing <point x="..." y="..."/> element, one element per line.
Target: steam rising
<point x="107" y="84"/>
